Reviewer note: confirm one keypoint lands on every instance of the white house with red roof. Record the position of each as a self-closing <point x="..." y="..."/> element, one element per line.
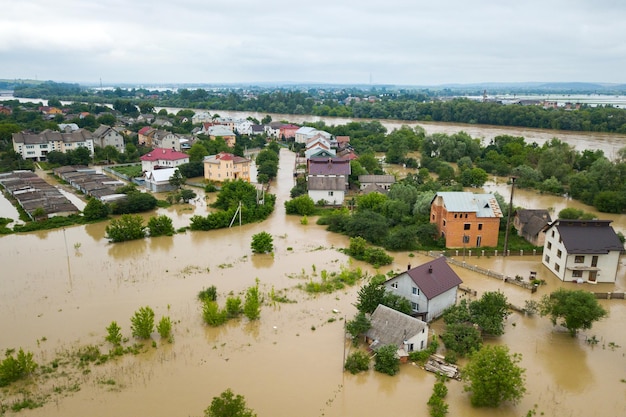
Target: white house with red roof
<point x="162" y="158"/>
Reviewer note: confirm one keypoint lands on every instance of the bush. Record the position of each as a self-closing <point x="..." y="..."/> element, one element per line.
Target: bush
<point x="15" y="368"/>
<point x="262" y="243"/>
<point x="95" y="210"/>
<point x="209" y="294"/>
<point x="127" y="227"/>
<point x="212" y="315"/>
<point x="160" y="226"/>
<point x="252" y="305"/>
<point x="142" y="323"/>
<point x="386" y="361"/>
<point x="135" y="202"/>
<point x="357" y="361"/>
<point x="302" y="205"/>
<point x="165" y="327"/>
<point x="114" y="334"/>
<point x="233" y="307"/>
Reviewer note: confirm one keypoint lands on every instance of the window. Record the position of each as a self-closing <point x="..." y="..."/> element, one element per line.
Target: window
<point x="444" y="222"/>
<point x="547" y="259"/>
<point x="466" y="215"/>
<point x="579" y="259"/>
<point x="415" y="306"/>
<point x="466" y="226"/>
<point x="557" y="267"/>
<point x="433" y="217"/>
<point x="559" y="253"/>
<point x="549" y="245"/>
<point x="330" y="193"/>
<point x="480" y="226"/>
<point x="30" y="146"/>
<point x="553" y="233"/>
<point x="410" y="347"/>
<point x="416" y="291"/>
<point x="577" y="274"/>
<point x="394" y="285"/>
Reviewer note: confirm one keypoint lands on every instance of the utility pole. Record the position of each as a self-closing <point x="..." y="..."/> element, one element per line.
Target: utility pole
<point x="508" y="218"/>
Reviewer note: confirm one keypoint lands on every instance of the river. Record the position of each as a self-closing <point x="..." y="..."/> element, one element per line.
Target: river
<point x="62" y="288"/>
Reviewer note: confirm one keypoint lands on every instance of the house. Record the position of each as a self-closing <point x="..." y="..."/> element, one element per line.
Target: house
<point x="257" y="129"/>
<point x="378" y="182"/>
<point x="327" y="179"/>
<point x="316" y="144"/>
<point x="582" y="250"/>
<point x="162" y="158"/>
<point x="218" y="131"/>
<point x="464" y="218"/>
<point x="108" y="136"/>
<point x="343" y="142"/>
<point x="430" y="288"/>
<point x="164" y="139"/>
<point x="288" y="131"/>
<point x="391" y="327"/>
<point x="158" y="180"/>
<point x="144" y="136"/>
<point x="226" y="166"/>
<point x="68" y="127"/>
<point x="201" y="117"/>
<point x="304" y="133"/>
<point x="36" y="146"/>
<point x="243" y="127"/>
<point x="530" y="224"/>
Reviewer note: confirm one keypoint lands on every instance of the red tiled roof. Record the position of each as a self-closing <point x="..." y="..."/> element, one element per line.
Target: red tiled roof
<point x="143" y="130"/>
<point x="161" y="154"/>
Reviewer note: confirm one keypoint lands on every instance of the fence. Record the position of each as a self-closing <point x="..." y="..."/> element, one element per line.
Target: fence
<point x="488" y="272"/>
<point x="609" y="295"/>
<point x="491" y="252"/>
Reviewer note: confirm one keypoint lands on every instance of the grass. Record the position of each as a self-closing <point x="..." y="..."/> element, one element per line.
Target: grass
<point x="128" y="170"/>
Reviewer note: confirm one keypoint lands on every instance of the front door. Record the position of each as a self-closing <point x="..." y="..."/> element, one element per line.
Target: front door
<point x="592" y="276"/>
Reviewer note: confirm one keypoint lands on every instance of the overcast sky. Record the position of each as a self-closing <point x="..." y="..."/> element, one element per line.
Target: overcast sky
<point x="403" y="42"/>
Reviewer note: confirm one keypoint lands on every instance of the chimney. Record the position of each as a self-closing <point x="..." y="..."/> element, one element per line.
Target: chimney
<point x="408" y="267"/>
<point x="430" y="269"/>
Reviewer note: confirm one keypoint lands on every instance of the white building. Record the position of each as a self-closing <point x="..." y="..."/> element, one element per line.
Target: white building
<point x="108" y="136"/>
<point x="582" y="250"/>
<point x="36" y="146"/>
<point x="162" y="158"/>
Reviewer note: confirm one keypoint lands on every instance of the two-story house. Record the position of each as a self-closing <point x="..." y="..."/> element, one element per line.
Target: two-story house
<point x="530" y="224"/>
<point x="226" y="166"/>
<point x="162" y="158"/>
<point x="219" y="131"/>
<point x="108" y="136"/>
<point x="327" y="179"/>
<point x="466" y="219"/>
<point x="430" y="288"/>
<point x="582" y="250"/>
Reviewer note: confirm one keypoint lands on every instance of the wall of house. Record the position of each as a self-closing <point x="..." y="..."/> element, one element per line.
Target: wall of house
<point x="480" y="231"/>
<point x="405" y="285"/>
<point x="419" y="341"/>
<point x="336" y="198"/>
<point x="438" y="304"/>
<point x="226" y="170"/>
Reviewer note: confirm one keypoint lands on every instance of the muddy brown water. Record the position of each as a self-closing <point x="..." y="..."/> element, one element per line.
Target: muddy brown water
<point x="60" y="289"/>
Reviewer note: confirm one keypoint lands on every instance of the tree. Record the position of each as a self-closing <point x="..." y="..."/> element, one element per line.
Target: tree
<point x="177" y="179"/>
<point x="462" y="338"/>
<point x="95" y="210"/>
<point x="164" y="327"/>
<point x="262" y="243"/>
<point x="142" y="323"/>
<point x="126" y="227"/>
<point x="160" y="226"/>
<point x="187" y="195"/>
<point x="358" y="326"/>
<point x="302" y="205"/>
<point x="386" y="360"/>
<point x="489" y="312"/>
<point x="492" y="377"/>
<point x="573" y="309"/>
<point x="228" y="405"/>
<point x="371" y="294"/>
<point x="197" y="152"/>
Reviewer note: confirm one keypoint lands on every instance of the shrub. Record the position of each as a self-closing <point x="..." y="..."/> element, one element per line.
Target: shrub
<point x="209" y="294"/>
<point x="15" y="368"/>
<point x="211" y="313"/>
<point x="127" y="227"/>
<point x="252" y="305"/>
<point x="165" y="327"/>
<point x="262" y="243"/>
<point x="357" y="361"/>
<point x="160" y="226"/>
<point x="386" y="361"/>
<point x="233" y="307"/>
<point x="142" y="323"/>
<point x="114" y="334"/>
<point x="302" y="205"/>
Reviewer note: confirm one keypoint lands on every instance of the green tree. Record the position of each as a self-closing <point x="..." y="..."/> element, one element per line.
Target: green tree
<point x="197" y="152"/>
<point x="357" y="361"/>
<point x="187" y="195"/>
<point x="233" y="307"/>
<point x="228" y="405"/>
<point x="114" y="335"/>
<point x="160" y="226"/>
<point x="177" y="179"/>
<point x="371" y="294"/>
<point x="493" y="376"/>
<point x="211" y="313"/>
<point x="573" y="309"/>
<point x="126" y="227"/>
<point x="358" y="326"/>
<point x="386" y="361"/>
<point x="252" y="303"/>
<point x="142" y="323"/>
<point x="490" y="311"/>
<point x="15" y="368"/>
<point x="462" y="338"/>
<point x="262" y="243"/>
<point x="302" y="205"/>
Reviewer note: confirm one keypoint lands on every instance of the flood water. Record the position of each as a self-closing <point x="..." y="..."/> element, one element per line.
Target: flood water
<point x="60" y="289"/>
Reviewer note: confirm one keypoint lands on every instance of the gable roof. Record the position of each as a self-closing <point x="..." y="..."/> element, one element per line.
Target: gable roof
<point x="391" y="327"/>
<point x="225" y="156"/>
<point x="484" y="205"/>
<point x="587" y="236"/>
<point x="434" y="278"/>
<point x="159" y="175"/>
<point x="219" y="130"/>
<point x="533" y="220"/>
<point x="326" y="183"/>
<point x="329" y="166"/>
<point x="162" y="154"/>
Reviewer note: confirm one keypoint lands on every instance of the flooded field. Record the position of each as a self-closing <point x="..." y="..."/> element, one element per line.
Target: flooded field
<point x="60" y="289"/>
